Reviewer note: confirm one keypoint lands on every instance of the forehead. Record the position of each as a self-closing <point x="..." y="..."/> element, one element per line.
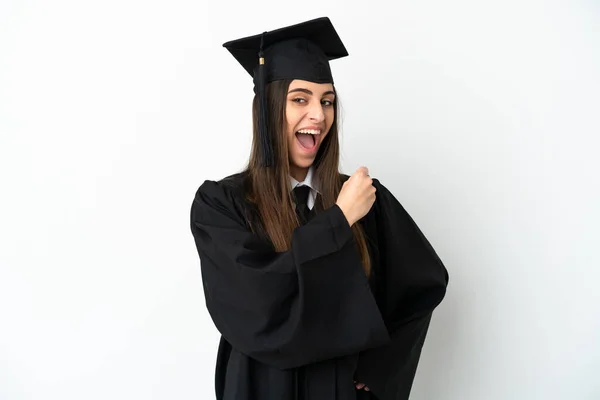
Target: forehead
<point x="316" y="88"/>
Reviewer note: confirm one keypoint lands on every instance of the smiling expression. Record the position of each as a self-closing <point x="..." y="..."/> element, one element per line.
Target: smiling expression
<point x="309" y="115"/>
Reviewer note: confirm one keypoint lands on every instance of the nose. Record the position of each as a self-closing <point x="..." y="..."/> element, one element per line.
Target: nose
<point x="315" y="113"/>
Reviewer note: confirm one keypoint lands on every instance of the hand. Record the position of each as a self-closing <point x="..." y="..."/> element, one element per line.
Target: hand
<point x="357" y="195"/>
<point x="361" y="386"/>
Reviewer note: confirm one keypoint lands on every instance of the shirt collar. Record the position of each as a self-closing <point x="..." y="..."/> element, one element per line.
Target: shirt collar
<point x="310" y="180"/>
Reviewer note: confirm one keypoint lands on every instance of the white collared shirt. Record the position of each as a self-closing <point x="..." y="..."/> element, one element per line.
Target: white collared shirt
<point x="311" y="182"/>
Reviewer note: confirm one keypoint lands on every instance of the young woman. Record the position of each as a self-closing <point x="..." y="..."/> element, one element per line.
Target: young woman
<point x="320" y="283"/>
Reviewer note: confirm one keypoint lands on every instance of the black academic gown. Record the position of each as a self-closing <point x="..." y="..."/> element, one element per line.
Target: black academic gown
<point x="305" y="323"/>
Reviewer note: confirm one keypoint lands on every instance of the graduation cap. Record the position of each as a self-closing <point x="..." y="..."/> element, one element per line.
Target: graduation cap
<point x="300" y="51"/>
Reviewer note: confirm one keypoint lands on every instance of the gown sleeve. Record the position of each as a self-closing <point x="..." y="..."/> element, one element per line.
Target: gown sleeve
<point x="285" y="309"/>
<point x="411" y="282"/>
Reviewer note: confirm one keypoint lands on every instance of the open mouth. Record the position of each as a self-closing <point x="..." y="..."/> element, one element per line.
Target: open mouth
<point x="308" y="139"/>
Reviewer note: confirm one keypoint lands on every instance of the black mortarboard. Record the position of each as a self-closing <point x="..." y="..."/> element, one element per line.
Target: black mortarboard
<point x="300" y="51"/>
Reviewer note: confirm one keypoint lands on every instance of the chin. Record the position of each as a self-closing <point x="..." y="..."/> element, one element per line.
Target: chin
<point x="304" y="163"/>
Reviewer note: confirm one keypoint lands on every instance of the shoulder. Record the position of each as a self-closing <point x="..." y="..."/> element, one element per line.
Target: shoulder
<point x="235" y="182"/>
<point x="385" y="198"/>
<point x="376" y="183"/>
<point x="226" y="194"/>
<point x="232" y="185"/>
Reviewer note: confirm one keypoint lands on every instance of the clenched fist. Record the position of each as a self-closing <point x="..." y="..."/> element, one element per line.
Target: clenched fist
<point x="357" y="195"/>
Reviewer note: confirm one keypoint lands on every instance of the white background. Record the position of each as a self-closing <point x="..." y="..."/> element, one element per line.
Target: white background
<point x="481" y="117"/>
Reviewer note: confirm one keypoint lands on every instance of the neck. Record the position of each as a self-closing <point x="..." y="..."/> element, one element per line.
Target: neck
<point x="298" y="173"/>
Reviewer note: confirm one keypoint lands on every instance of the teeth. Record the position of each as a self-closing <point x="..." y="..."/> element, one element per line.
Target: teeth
<point x="310" y="131"/>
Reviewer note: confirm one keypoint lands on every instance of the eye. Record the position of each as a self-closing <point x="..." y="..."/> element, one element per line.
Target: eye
<point x="327" y="103"/>
<point x="299" y="100"/>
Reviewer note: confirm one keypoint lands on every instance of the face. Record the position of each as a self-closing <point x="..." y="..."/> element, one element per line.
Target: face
<point x="309" y="114"/>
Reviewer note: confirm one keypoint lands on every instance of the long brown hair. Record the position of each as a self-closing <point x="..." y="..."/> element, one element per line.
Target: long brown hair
<point x="269" y="188"/>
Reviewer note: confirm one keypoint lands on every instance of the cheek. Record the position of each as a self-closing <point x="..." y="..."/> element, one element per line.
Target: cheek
<point x="329" y="116"/>
<point x="292" y="120"/>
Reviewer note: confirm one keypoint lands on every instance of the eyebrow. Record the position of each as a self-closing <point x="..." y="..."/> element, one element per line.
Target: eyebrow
<point x="309" y="92"/>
